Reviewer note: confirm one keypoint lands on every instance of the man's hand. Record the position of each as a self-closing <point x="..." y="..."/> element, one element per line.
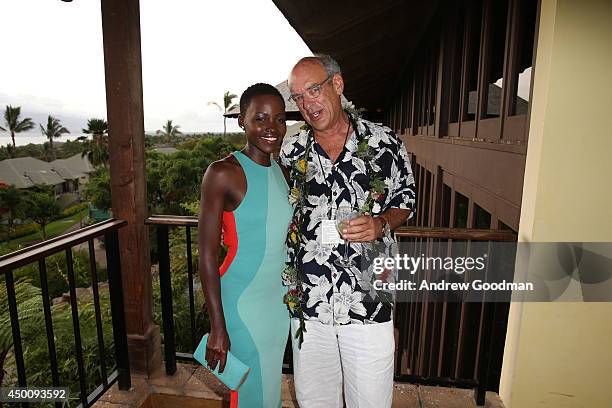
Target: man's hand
<point x="363" y="229"/>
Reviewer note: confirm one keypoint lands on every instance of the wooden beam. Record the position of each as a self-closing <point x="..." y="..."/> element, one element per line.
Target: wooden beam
<point x="123" y="71"/>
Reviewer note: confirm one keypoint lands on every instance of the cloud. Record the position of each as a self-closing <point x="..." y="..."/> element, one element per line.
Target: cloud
<point x="192" y="52"/>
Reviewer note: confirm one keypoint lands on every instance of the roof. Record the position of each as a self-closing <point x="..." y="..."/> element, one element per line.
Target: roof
<point x="373" y="41"/>
<point x="66" y="172"/>
<point x="166" y="150"/>
<point x="291" y="110"/>
<point x="76" y="163"/>
<point x="25" y="172"/>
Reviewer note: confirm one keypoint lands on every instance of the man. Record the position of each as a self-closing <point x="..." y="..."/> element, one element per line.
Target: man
<point x="348" y="343"/>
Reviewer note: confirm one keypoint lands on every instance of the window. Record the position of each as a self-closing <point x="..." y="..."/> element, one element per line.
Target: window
<point x="472" y="57"/>
<point x="423" y="97"/>
<point x="433" y="81"/>
<point x="407" y="106"/>
<point x="520" y="83"/>
<point x="495" y="39"/>
<point x="426" y="196"/>
<point x="504" y="227"/>
<point x="457" y="64"/>
<point x="446" y="206"/>
<point x="482" y="218"/>
<point x="461" y="210"/>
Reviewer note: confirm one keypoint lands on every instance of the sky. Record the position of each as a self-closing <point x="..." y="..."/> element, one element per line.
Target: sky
<point x="192" y="52"/>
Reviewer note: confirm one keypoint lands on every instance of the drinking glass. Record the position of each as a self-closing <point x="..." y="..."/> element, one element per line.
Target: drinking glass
<point x="344" y="214"/>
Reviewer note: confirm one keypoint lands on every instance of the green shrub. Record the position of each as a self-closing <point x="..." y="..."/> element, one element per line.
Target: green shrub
<point x="21" y="230"/>
<point x="74" y="209"/>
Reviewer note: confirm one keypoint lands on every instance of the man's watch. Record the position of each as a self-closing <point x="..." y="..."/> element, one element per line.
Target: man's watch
<point x="386" y="228"/>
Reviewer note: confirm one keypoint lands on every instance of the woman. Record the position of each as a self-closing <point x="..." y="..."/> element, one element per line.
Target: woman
<point x="245" y="196"/>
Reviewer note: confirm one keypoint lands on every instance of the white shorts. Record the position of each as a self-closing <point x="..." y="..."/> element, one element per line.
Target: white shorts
<point x="354" y="357"/>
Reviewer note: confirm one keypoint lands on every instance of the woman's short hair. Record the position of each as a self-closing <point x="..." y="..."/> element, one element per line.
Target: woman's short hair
<point x="256" y="90"/>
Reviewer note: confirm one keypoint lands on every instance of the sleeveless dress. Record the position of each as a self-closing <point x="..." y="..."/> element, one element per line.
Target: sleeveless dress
<point x="252" y="293"/>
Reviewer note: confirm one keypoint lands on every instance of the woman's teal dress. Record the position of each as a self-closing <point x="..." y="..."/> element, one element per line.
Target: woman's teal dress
<point x="252" y="293"/>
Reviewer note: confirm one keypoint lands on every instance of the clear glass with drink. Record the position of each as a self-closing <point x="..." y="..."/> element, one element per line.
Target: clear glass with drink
<point x="344" y="214"/>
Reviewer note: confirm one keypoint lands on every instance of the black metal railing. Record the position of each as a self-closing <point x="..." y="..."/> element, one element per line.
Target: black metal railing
<point x="410" y="318"/>
<point x="64" y="243"/>
<point x="162" y="224"/>
<point x="450" y="343"/>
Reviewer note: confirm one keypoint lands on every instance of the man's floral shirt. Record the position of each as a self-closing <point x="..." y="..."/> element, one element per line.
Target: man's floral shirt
<point x="333" y="294"/>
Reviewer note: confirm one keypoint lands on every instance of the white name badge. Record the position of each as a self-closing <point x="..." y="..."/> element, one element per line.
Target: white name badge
<point x="329" y="233"/>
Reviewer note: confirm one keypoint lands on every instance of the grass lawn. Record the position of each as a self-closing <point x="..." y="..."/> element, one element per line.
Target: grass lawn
<point x="53" y="229"/>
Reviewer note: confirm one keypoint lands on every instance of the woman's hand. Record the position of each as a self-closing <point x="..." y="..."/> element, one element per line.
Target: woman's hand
<point x="217" y="346"/>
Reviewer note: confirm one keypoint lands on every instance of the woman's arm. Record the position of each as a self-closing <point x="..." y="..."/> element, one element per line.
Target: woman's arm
<point x="212" y="200"/>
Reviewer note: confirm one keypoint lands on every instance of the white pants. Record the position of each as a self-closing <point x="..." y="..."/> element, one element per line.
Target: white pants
<point x="360" y="357"/>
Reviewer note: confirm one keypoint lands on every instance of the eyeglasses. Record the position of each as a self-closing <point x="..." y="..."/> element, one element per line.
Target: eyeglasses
<point x="312" y="91"/>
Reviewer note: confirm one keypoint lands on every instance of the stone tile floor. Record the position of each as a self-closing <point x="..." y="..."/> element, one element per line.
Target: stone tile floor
<point x="193" y="387"/>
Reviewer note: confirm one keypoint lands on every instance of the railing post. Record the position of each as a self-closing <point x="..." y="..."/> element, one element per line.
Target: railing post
<point x="44" y="286"/>
<point x="190" y="284"/>
<point x="78" y="348"/>
<point x="165" y="286"/>
<point x="484" y="356"/>
<point x="17" y="347"/>
<point x="115" y="288"/>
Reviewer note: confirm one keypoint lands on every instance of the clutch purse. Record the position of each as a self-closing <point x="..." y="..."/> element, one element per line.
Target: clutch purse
<point x="235" y="370"/>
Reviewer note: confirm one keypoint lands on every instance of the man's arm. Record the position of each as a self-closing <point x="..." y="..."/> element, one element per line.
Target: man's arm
<point x="399" y="207"/>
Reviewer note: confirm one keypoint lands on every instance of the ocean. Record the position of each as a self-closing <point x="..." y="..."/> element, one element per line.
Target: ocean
<point x="22" y="139"/>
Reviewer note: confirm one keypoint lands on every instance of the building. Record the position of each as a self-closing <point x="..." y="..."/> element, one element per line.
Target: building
<point x="27" y="172"/>
<point x="67" y="177"/>
<point x="165" y="150"/>
<point x="75" y="165"/>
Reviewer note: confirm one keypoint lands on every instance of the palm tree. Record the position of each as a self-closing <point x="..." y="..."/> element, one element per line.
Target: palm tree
<point x="96" y="149"/>
<point x="228" y="105"/>
<point x="168" y="131"/>
<point x="13" y="124"/>
<point x="53" y="130"/>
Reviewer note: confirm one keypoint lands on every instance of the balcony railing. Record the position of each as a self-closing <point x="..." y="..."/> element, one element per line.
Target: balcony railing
<point x="450" y="343"/>
<point x="416" y="323"/>
<point x="37" y="254"/>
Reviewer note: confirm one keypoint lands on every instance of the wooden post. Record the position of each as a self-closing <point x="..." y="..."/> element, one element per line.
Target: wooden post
<point x="123" y="71"/>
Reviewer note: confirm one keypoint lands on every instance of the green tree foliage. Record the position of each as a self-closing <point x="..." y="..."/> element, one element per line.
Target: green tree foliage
<point x="228" y="105"/>
<point x="169" y="132"/>
<point x="53" y="130"/>
<point x="11" y="200"/>
<point x="174" y="179"/>
<point x="96" y="149"/>
<point x="69" y="149"/>
<point x="13" y="125"/>
<point x="98" y="189"/>
<point x="41" y="207"/>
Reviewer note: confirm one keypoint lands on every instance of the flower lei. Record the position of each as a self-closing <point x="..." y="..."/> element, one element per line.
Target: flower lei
<point x="294" y="298"/>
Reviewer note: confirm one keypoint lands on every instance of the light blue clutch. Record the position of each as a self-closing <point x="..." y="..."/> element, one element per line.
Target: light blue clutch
<point x="235" y="370"/>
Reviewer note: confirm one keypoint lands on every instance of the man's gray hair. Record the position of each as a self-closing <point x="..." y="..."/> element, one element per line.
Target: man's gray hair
<point x="330" y="65"/>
